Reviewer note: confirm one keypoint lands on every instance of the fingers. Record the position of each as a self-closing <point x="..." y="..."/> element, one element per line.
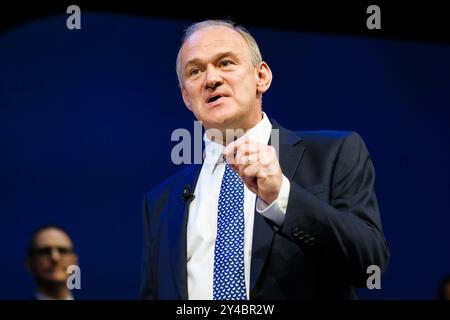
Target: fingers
<point x="243" y="152"/>
<point x="255" y="160"/>
<point x="251" y="170"/>
<point x="258" y="166"/>
<point x="247" y="158"/>
<point x="249" y="176"/>
<point x="232" y="148"/>
<point x="231" y="151"/>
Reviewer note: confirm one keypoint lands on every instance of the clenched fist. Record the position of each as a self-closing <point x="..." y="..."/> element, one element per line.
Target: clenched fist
<point x="257" y="165"/>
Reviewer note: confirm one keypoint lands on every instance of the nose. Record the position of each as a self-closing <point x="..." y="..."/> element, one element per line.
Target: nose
<point x="212" y="78"/>
<point x="55" y="255"/>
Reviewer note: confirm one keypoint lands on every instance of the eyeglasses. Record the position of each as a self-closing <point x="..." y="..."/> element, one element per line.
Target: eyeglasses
<point x="48" y="250"/>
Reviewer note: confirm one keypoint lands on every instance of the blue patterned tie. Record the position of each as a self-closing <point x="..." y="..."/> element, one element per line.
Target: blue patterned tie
<point x="229" y="277"/>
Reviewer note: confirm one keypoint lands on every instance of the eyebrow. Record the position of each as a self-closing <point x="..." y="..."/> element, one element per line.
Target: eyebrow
<point x="217" y="57"/>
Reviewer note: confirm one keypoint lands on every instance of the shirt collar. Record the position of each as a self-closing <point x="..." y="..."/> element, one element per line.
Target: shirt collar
<point x="213" y="151"/>
<point x="41" y="296"/>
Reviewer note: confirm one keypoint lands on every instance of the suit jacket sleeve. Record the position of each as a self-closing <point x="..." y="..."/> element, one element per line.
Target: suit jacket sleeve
<point x="147" y="274"/>
<point x="343" y="234"/>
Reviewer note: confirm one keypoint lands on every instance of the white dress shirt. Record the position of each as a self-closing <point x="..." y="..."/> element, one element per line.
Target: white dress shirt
<point x="41" y="296"/>
<point x="202" y="222"/>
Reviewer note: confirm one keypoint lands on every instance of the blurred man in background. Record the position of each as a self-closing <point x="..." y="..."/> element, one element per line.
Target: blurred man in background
<point x="444" y="289"/>
<point x="50" y="253"/>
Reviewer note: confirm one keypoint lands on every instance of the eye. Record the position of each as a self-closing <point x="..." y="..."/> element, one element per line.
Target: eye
<point x="194" y="71"/>
<point x="225" y="63"/>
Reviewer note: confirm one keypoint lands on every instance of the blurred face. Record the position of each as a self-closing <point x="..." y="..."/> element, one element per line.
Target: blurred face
<point x="220" y="85"/>
<point x="447" y="292"/>
<point x="51" y="256"/>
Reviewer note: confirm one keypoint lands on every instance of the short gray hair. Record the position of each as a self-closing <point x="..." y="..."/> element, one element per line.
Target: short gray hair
<point x="255" y="54"/>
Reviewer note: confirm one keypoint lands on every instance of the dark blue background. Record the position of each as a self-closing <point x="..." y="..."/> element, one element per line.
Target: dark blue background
<point x="86" y="118"/>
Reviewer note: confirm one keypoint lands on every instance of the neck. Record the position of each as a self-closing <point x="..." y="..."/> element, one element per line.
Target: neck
<point x="230" y="133"/>
<point x="55" y="291"/>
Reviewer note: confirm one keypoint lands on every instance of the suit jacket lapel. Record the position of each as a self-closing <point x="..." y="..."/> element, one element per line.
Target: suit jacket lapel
<point x="178" y="229"/>
<point x="290" y="153"/>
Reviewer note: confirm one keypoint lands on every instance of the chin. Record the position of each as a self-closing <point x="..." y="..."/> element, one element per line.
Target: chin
<point x="221" y="118"/>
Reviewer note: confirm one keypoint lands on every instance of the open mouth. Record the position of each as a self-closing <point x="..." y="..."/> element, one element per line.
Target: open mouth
<point x="214" y="98"/>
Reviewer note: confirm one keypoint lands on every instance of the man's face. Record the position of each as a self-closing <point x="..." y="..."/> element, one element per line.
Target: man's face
<point x="447" y="292"/>
<point x="51" y="255"/>
<point x="220" y="84"/>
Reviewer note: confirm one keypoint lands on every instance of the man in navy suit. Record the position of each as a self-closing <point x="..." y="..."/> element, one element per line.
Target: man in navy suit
<point x="311" y="222"/>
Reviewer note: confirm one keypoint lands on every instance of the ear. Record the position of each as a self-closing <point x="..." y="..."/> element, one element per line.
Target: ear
<point x="263" y="77"/>
<point x="185" y="96"/>
<point x="75" y="259"/>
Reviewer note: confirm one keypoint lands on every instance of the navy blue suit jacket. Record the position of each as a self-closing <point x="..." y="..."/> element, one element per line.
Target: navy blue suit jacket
<point x="331" y="233"/>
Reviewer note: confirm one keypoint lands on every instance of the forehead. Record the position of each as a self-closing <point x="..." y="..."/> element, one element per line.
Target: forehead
<point x="52" y="237"/>
<point x="213" y="40"/>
